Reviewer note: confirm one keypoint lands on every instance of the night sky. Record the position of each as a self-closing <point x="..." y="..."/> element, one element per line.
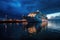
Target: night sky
<point x="23" y="7"/>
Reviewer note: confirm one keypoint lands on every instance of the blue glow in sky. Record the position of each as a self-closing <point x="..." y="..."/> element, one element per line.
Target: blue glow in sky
<point x="21" y="7"/>
<point x="16" y="4"/>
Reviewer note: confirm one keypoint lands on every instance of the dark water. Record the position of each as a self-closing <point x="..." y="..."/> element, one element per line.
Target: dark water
<point x="17" y="32"/>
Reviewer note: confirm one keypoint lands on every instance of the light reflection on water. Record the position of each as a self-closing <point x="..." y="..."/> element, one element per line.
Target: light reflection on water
<point x="17" y="31"/>
<point x="54" y="25"/>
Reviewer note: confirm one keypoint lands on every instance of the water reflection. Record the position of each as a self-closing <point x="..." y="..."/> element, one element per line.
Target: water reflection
<point x="19" y="30"/>
<point x="33" y="27"/>
<point x="54" y="25"/>
<point x="13" y="30"/>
